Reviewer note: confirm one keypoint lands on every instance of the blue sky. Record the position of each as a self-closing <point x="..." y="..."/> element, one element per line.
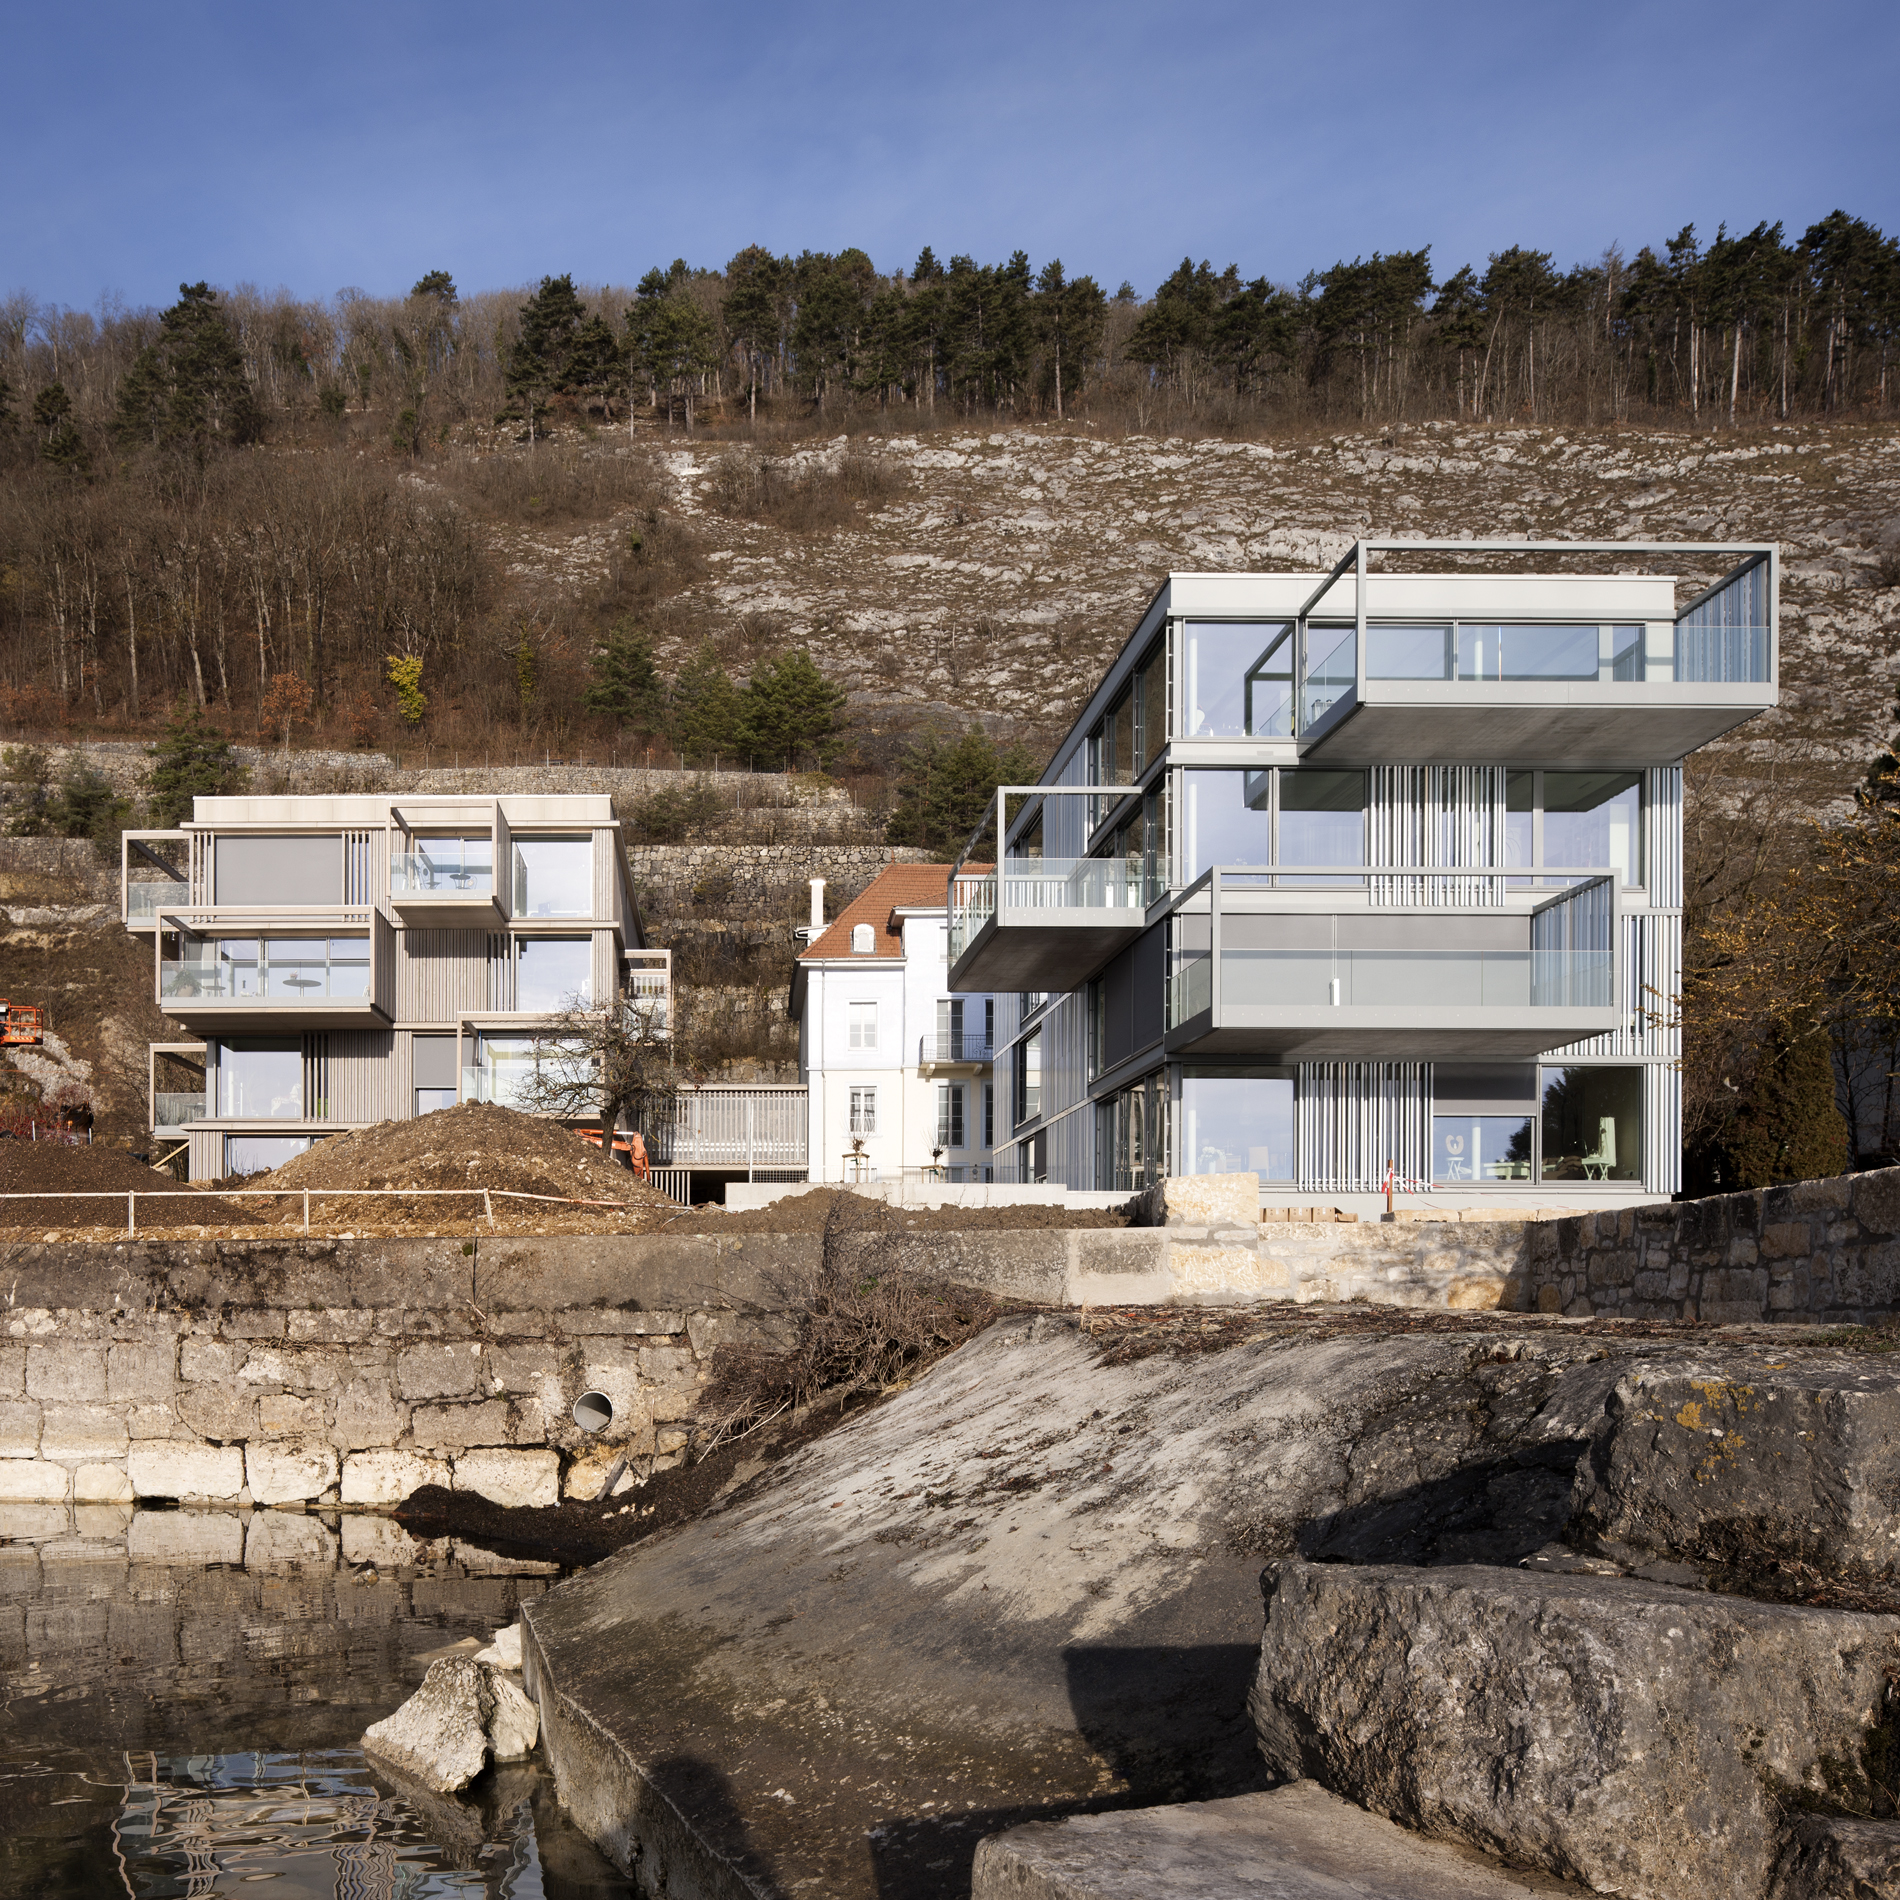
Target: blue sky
<point x="350" y="144"/>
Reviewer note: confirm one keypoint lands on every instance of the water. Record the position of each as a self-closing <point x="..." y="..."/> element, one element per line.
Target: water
<point x="182" y="1694"/>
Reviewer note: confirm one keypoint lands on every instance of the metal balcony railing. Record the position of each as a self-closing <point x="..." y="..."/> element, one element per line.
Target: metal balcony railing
<point x="291" y="970"/>
<point x="955" y="1047"/>
<point x="1047" y="884"/>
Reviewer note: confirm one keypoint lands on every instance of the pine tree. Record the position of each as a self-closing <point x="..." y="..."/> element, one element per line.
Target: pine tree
<point x="1789" y="1126"/>
<point x="190" y="385"/>
<point x="192" y="759"/>
<point x="704" y="715"/>
<point x="790" y="708"/>
<point x="626" y="685"/>
<point x="945" y="786"/>
<point x="60" y="442"/>
<point x="543" y="361"/>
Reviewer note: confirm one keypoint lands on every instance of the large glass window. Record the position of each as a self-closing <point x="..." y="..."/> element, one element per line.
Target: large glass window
<point x="554" y="877"/>
<point x="554" y="973"/>
<point x="261" y="1080"/>
<point x="1237" y="1121"/>
<point x="258" y="1154"/>
<point x="1029" y="1077"/>
<point x="288" y="969"/>
<point x="1226" y="818"/>
<point x="1397" y="651"/>
<point x="1481" y="1121"/>
<point x="1239" y="679"/>
<point x="1533" y="651"/>
<point x="1594" y="819"/>
<point x="1151" y="705"/>
<point x="950" y="1100"/>
<point x="1322" y="817"/>
<point x="1593" y="1124"/>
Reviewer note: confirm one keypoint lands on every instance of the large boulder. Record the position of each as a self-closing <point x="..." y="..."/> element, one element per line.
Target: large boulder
<point x="1643" y="1739"/>
<point x="1832" y="1859"/>
<point x="1737" y="1462"/>
<point x="1297" y="1843"/>
<point x="465" y="1713"/>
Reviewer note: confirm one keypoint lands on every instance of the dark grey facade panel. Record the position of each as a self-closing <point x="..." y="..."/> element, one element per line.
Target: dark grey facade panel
<point x="302" y="871"/>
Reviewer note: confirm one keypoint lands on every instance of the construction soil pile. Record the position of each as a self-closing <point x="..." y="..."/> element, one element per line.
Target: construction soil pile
<point x="61" y="1172"/>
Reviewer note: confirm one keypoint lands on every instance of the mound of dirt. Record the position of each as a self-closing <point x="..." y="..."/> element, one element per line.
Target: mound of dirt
<point x="61" y="1173"/>
<point x="807" y="1214"/>
<point x="476" y="1145"/>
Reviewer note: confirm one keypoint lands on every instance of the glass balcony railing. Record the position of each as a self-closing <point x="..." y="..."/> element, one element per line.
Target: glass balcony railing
<point x="1404" y="979"/>
<point x="466" y="872"/>
<point x="1190" y="990"/>
<point x="1072" y="885"/>
<point x="174" y="1110"/>
<point x="287" y="970"/>
<point x="144" y="901"/>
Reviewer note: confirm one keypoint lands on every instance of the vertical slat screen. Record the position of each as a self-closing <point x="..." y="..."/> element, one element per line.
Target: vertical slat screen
<point x="606" y="968"/>
<point x="204" y="1154"/>
<point x="1662" y="840"/>
<point x="501" y="974"/>
<point x="1354" y="1117"/>
<point x="604" y="879"/>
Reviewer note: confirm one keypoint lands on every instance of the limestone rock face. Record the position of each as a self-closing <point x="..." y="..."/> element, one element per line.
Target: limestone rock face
<point x="1744" y="1464"/>
<point x="1834" y="1860"/>
<point x="1623" y="1733"/>
<point x="445" y="1733"/>
<point x="1297" y="1843"/>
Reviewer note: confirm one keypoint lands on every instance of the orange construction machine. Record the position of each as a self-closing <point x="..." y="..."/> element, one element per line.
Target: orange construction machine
<point x="22" y="1022"/>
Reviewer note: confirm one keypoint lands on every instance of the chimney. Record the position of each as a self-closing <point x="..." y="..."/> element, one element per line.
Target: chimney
<point x="817" y="905"/>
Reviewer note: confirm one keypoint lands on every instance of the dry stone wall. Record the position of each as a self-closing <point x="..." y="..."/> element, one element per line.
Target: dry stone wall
<point x="1826" y="1251"/>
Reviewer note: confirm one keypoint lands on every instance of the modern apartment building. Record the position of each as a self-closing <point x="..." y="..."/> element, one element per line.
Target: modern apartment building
<point x="1367" y="872"/>
<point x="899" y="1072"/>
<point x="343" y="961"/>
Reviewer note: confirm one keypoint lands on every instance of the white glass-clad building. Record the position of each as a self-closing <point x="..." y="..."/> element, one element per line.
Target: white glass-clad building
<point x="1376" y="871"/>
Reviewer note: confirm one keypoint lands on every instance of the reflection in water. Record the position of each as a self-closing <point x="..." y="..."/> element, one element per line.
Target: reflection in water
<point x="182" y="1694"/>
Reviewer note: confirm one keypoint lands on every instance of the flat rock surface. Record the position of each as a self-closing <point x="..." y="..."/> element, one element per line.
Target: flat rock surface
<point x="1725" y="1459"/>
<point x="1296" y="1843"/>
<point x="1649" y="1741"/>
<point x="1028" y="1585"/>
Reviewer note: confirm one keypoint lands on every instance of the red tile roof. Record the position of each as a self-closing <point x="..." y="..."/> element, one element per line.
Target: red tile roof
<point x="896" y="887"/>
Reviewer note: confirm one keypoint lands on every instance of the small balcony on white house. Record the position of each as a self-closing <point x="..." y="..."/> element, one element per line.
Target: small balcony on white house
<point x="1467" y="666"/>
<point x="1341" y="962"/>
<point x="234" y="970"/>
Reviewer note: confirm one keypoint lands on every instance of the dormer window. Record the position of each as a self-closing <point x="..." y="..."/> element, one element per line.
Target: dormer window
<point x="863" y="940"/>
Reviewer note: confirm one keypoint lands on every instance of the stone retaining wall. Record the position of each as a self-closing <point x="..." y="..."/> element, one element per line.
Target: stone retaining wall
<point x="1825" y="1251"/>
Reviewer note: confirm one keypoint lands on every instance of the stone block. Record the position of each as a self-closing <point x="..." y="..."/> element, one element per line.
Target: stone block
<point x="455" y="1427"/>
<point x="170" y="1468"/>
<point x="32" y="1481"/>
<point x="1470" y="1293"/>
<point x="587" y="1322"/>
<point x="206" y="1361"/>
<point x="19" y="1428"/>
<point x="387" y="1477"/>
<point x="1831" y="1859"/>
<point x="369" y="1539"/>
<point x="12" y="1371"/>
<point x="151" y="1421"/>
<point x="254" y="1322"/>
<point x="1875" y="1200"/>
<point x="444" y="1735"/>
<point x="330" y="1325"/>
<point x="1296" y="1843"/>
<point x="281" y="1540"/>
<point x="532" y="1368"/>
<point x="219" y="1412"/>
<point x="437" y="1371"/>
<point x="262" y="1365"/>
<point x="518" y="1479"/>
<point x="186" y="1537"/>
<point x="102" y="1484"/>
<point x="66" y="1372"/>
<point x="294" y="1471"/>
<point x="280" y="1414"/>
<point x="98" y="1522"/>
<point x="83" y="1431"/>
<point x="1803" y="1458"/>
<point x="141" y="1369"/>
<point x="366" y="1415"/>
<point x="1787" y="1240"/>
<point x="1623" y="1733"/>
<point x="315" y="1369"/>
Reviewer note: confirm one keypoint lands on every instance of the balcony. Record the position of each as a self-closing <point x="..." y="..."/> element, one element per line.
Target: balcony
<point x="446" y="883"/>
<point x="1404" y="965"/>
<point x="1044" y="923"/>
<point x="149" y="879"/>
<point x="955" y="1054"/>
<point x="1577" y="671"/>
<point x="330" y="969"/>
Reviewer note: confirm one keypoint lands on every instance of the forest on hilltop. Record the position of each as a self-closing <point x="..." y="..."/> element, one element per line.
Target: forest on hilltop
<point x="307" y="517"/>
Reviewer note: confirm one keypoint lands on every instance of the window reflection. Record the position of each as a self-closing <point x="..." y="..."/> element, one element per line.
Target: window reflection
<point x="1331" y="654"/>
<point x="1225" y="819"/>
<point x="1593" y="819"/>
<point x="1239" y="679"/>
<point x="1593" y="1121"/>
<point x="1533" y="651"/>
<point x="1322" y="818"/>
<point x="1237" y="1121"/>
<point x="554" y="877"/>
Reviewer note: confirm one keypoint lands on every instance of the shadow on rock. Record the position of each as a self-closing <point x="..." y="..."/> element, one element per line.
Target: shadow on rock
<point x="1492" y="1513"/>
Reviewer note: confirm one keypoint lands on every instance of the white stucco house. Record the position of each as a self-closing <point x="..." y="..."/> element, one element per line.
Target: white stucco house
<point x="898" y="1072"/>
